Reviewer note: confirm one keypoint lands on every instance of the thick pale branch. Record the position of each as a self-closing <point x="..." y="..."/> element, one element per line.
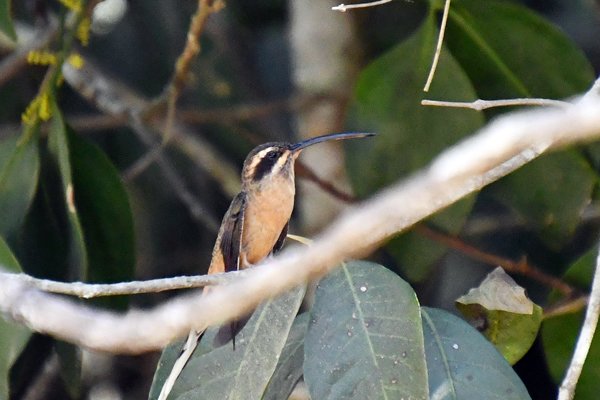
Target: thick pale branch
<point x="498" y="149"/>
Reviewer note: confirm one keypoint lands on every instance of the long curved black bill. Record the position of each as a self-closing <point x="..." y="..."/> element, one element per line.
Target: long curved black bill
<point x="325" y="138"/>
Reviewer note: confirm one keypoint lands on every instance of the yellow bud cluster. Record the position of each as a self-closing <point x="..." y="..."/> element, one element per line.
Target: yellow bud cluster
<point x="38" y="108"/>
<point x="83" y="31"/>
<point x="41" y="57"/>
<point x="76" y="60"/>
<point x="73" y="5"/>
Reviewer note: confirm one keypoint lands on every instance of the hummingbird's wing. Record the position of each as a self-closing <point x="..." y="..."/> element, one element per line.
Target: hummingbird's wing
<point x="233" y="228"/>
<point x="281" y="239"/>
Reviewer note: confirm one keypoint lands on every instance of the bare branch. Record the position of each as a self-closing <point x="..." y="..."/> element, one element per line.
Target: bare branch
<point x="346" y="7"/>
<point x="521" y="267"/>
<point x="496" y="150"/>
<point x="92" y="290"/>
<point x="569" y="383"/>
<point x="485" y="104"/>
<point x="17" y="61"/>
<point x="189" y="53"/>
<point x="438" y="48"/>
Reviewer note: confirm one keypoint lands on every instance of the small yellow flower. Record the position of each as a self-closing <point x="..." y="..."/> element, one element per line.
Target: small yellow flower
<point x="41" y="57"/>
<point x="73" y="5"/>
<point x="83" y="31"/>
<point x="39" y="108"/>
<point x="44" y="108"/>
<point x="76" y="60"/>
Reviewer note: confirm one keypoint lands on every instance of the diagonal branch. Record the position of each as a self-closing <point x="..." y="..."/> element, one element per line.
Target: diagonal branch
<point x="568" y="385"/>
<point x="501" y="147"/>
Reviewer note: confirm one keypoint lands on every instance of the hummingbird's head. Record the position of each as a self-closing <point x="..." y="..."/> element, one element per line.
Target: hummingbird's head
<point x="276" y="159"/>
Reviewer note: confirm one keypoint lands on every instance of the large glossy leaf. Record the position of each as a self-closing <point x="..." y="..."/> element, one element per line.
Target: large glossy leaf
<point x="289" y="368"/>
<point x="387" y="101"/>
<point x="13" y="337"/>
<point x="6" y="24"/>
<point x="59" y="152"/>
<point x="508" y="51"/>
<point x="104" y="211"/>
<point x="19" y="170"/>
<point x="364" y="339"/>
<point x="462" y="364"/>
<point x="243" y="373"/>
<point x="550" y="194"/>
<point x="559" y="335"/>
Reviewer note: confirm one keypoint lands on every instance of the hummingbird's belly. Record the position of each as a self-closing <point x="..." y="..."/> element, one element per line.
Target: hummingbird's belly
<point x="265" y="217"/>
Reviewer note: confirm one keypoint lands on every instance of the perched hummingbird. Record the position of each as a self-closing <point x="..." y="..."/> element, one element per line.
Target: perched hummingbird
<point x="256" y="223"/>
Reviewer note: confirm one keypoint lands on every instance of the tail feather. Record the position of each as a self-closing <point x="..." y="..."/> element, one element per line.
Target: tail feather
<point x="186" y="353"/>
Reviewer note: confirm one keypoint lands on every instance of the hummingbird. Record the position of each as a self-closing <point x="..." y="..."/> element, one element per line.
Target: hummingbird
<point x="256" y="223"/>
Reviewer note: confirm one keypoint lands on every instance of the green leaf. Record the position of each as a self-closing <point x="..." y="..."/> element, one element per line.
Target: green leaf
<point x="550" y="194"/>
<point x="59" y="151"/>
<point x="509" y="51"/>
<point x="462" y="364"/>
<point x="417" y="254"/>
<point x="290" y="365"/>
<point x="103" y="208"/>
<point x="364" y="339"/>
<point x="6" y="24"/>
<point x="13" y="337"/>
<point x="559" y="334"/>
<point x="69" y="358"/>
<point x="19" y="170"/>
<point x="506" y="316"/>
<point x="243" y="373"/>
<point x="8" y="261"/>
<point x="387" y="101"/>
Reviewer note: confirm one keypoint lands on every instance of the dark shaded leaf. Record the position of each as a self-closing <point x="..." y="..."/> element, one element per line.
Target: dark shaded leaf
<point x="501" y="310"/>
<point x="290" y="365"/>
<point x="13" y="337"/>
<point x="509" y="51"/>
<point x="29" y="364"/>
<point x="243" y="373"/>
<point x="58" y="149"/>
<point x="104" y="212"/>
<point x="462" y="364"/>
<point x="559" y="334"/>
<point x="388" y="96"/>
<point x="6" y="24"/>
<point x="550" y="193"/>
<point x="19" y="170"/>
<point x="364" y="339"/>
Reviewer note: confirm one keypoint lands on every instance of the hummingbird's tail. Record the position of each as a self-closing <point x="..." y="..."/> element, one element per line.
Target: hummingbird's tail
<point x="186" y="352"/>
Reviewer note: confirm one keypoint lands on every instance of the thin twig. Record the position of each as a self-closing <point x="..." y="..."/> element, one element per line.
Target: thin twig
<point x="189" y="53"/>
<point x="438" y="48"/>
<point x="194" y="205"/>
<point x="569" y="306"/>
<point x="569" y="383"/>
<point x="485" y="104"/>
<point x="346" y="7"/>
<point x="17" y="61"/>
<point x="504" y="145"/>
<point x="521" y="267"/>
<point x="307" y="173"/>
<point x="93" y="290"/>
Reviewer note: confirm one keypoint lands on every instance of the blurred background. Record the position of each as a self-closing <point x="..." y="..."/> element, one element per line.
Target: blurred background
<point x="275" y="70"/>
